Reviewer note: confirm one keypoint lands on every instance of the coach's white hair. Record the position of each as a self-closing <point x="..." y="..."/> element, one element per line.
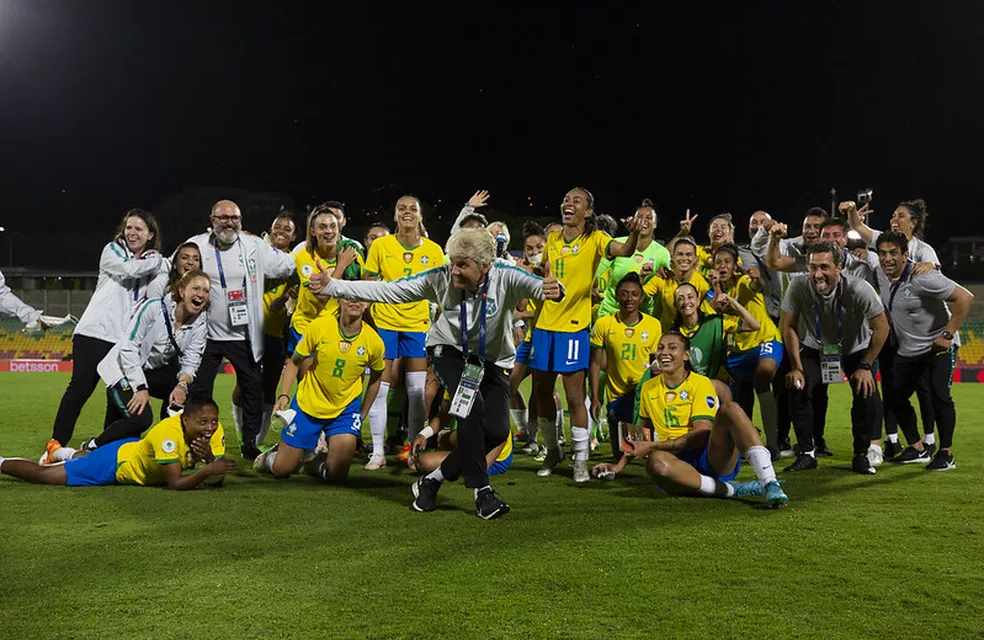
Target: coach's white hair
<point x="497" y="226"/>
<point x="474" y="244"/>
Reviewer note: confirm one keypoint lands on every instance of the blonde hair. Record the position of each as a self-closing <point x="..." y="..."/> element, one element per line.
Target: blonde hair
<point x="473" y="244"/>
<point x="495" y="227"/>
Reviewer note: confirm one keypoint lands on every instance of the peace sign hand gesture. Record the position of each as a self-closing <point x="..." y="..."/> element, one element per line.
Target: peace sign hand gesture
<point x="687" y="223"/>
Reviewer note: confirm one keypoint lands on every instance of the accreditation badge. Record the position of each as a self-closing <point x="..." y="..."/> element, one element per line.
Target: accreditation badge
<point x="238" y="313"/>
<point x="831" y="371"/>
<point x="464" y="395"/>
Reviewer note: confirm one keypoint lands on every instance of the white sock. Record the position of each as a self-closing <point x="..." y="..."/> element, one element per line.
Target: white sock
<point x="435" y="475"/>
<point x="580" y="436"/>
<point x="892" y="437"/>
<point x="930" y="438"/>
<point x="264" y="423"/>
<point x="760" y="460"/>
<point x="1" y="463"/>
<point x="481" y="489"/>
<point x="812" y="453"/>
<point x="64" y="454"/>
<point x="549" y="430"/>
<point x="268" y="461"/>
<point x="519" y="418"/>
<point x="237" y="419"/>
<point x="416" y="381"/>
<point x="711" y="487"/>
<point x="874" y="447"/>
<point x="377" y="419"/>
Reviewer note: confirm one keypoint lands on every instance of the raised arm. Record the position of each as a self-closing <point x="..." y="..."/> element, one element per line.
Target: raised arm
<point x="423" y="286"/>
<point x="115" y="262"/>
<point x="526" y="285"/>
<point x="14" y="306"/>
<point x="774" y="258"/>
<point x="478" y="200"/>
<point x="850" y="211"/>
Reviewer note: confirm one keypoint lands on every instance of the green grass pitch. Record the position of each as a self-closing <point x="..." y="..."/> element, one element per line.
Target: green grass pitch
<point x="896" y="555"/>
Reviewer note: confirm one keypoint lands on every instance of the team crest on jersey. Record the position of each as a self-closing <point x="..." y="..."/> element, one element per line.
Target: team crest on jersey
<point x="575" y="248"/>
<point x="490" y="307"/>
<point x="438" y="350"/>
<point x="292" y="429"/>
<point x="344" y="346"/>
<point x="408" y="257"/>
<point x="361" y="350"/>
<point x="711" y="402"/>
<point x="669" y="397"/>
<point x="424" y="259"/>
<point x="565" y="250"/>
<point x="169" y="446"/>
<point x="629" y="332"/>
<point x="696" y="355"/>
<point x="307" y="270"/>
<point x="638" y="257"/>
<point x="685" y="395"/>
<point x="645" y="336"/>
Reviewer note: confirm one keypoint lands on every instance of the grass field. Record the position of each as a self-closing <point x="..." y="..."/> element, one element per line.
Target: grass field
<point x="896" y="555"/>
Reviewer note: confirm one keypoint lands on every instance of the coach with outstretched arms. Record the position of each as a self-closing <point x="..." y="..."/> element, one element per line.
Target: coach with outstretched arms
<point x="470" y="347"/>
<point x="833" y="323"/>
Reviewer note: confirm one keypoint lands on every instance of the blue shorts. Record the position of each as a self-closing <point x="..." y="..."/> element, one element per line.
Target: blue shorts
<point x="499" y="466"/>
<point x="97" y="468"/>
<point x="293" y="339"/>
<point x="558" y="352"/>
<point x="523" y="353"/>
<point x="741" y="365"/>
<point x="697" y="458"/>
<point x="404" y="344"/>
<point x="622" y="409"/>
<point x="305" y="431"/>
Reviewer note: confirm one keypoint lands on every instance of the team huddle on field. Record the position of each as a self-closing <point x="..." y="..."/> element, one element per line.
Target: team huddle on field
<point x="666" y="347"/>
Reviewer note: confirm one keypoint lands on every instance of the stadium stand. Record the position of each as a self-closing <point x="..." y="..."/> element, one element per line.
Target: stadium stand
<point x="971" y="354"/>
<point x="17" y="344"/>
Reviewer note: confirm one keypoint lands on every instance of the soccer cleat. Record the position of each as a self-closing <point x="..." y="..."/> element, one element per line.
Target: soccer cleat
<point x="892" y="449"/>
<point x="541" y="455"/>
<point x="259" y="462"/>
<point x="745" y="489"/>
<point x="48" y="457"/>
<point x="376" y="462"/>
<point x="316" y="465"/>
<point x="860" y="464"/>
<point x="875" y="456"/>
<point x="88" y="445"/>
<point x="552" y="459"/>
<point x="488" y="504"/>
<point x="803" y="462"/>
<point x="425" y="494"/>
<point x="775" y="497"/>
<point x="531" y="449"/>
<point x="910" y="455"/>
<point x="942" y="461"/>
<point x="823" y="450"/>
<point x="581" y="473"/>
<point x="404" y="454"/>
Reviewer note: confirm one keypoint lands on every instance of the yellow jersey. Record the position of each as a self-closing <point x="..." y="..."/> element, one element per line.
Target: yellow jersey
<point x="755" y="303"/>
<point x="340" y="361"/>
<point x="140" y="462"/>
<point x="628" y="348"/>
<point x="672" y="409"/>
<point x="389" y="260"/>
<point x="662" y="290"/>
<point x="574" y="264"/>
<point x="274" y="322"/>
<point x="705" y="260"/>
<point x="309" y="308"/>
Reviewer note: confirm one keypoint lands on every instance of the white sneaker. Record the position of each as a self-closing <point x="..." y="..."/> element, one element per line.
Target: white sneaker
<point x="875" y="456"/>
<point x="581" y="473"/>
<point x="551" y="460"/>
<point x="531" y="449"/>
<point x="376" y="461"/>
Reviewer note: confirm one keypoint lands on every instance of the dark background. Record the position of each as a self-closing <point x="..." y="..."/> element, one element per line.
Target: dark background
<point x="168" y="105"/>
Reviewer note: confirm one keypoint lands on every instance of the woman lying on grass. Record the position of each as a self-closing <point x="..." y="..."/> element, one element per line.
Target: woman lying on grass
<point x="175" y="444"/>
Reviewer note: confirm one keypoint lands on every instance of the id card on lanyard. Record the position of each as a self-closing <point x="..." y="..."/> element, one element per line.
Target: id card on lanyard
<point x="236" y="298"/>
<point x="831" y="370"/>
<point x="471" y="376"/>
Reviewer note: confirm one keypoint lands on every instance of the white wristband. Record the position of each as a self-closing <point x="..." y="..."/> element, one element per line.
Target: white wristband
<point x="427" y="432"/>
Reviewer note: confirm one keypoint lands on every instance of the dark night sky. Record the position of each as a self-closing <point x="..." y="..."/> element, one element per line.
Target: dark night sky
<point x="109" y="105"/>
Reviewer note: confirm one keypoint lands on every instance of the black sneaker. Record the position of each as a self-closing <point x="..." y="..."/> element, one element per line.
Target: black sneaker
<point x="861" y="464"/>
<point x="250" y="452"/>
<point x="910" y="456"/>
<point x="892" y="449"/>
<point x="943" y="461"/>
<point x="929" y="447"/>
<point x="803" y="462"/>
<point x="488" y="504"/>
<point x="823" y="451"/>
<point x="425" y="494"/>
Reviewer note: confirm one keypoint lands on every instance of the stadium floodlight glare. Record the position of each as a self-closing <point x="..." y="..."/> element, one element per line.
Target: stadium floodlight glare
<point x="2" y="229"/>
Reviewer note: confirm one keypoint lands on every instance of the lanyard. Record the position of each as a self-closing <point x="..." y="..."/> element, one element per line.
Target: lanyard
<point x="839" y="309"/>
<point x="170" y="332"/>
<point x="481" y="322"/>
<point x="218" y="260"/>
<point x="898" y="283"/>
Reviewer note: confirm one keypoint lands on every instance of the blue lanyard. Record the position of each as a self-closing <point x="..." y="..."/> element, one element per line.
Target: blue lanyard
<point x="170" y="332"/>
<point x="840" y="317"/>
<point x="218" y="260"/>
<point x="898" y="283"/>
<point x="481" y="322"/>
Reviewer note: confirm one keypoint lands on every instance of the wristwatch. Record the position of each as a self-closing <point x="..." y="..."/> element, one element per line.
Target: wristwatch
<point x="946" y="334"/>
<point x="865" y="365"/>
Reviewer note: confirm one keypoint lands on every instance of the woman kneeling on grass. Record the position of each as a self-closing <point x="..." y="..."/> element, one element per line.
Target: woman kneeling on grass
<point x="328" y="397"/>
<point x="175" y="444"/>
<point x="697" y="445"/>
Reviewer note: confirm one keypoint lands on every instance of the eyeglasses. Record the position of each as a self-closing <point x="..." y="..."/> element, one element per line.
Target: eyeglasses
<point x="225" y="219"/>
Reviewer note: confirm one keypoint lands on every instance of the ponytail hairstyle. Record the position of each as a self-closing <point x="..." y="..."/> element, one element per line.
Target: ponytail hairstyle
<point x="917" y="209"/>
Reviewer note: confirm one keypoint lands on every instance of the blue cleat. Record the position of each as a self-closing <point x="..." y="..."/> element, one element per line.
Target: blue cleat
<point x="775" y="497"/>
<point x="745" y="489"/>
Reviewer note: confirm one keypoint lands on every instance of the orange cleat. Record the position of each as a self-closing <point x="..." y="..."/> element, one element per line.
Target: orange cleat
<point x="404" y="455"/>
<point x="48" y="457"/>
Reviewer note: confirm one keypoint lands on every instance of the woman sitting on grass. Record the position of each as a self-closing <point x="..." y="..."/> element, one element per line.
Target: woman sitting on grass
<point x="174" y="445"/>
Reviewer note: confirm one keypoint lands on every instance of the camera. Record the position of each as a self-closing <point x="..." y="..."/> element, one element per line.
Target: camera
<point x="864" y="197"/>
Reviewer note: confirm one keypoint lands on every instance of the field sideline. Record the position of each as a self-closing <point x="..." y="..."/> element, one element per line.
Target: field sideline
<point x="897" y="555"/>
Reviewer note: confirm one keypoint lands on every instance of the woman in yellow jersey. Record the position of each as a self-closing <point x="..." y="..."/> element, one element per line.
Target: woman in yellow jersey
<point x="720" y="230"/>
<point x="561" y="330"/>
<point x="328" y="400"/>
<point x="402" y="327"/>
<point x="623" y="344"/>
<point x="275" y="324"/>
<point x="697" y="446"/>
<point x="662" y="287"/>
<point x="753" y="356"/>
<point x="174" y="445"/>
